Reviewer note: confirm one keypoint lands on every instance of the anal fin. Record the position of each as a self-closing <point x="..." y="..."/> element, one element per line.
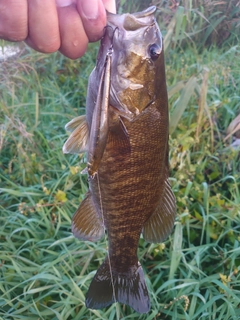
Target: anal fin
<point x="161" y="222"/>
<point x="87" y="223"/>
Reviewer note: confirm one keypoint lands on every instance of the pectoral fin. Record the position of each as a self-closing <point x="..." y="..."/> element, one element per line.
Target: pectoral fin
<point x="87" y="223"/>
<point x="78" y="140"/>
<point x="74" y="123"/>
<point x="160" y="224"/>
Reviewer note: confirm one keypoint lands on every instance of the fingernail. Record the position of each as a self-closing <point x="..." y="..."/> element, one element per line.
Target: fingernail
<point x="110" y="5"/>
<point x="64" y="3"/>
<point x="89" y="8"/>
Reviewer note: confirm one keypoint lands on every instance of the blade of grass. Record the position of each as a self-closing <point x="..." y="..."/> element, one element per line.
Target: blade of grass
<point x="182" y="103"/>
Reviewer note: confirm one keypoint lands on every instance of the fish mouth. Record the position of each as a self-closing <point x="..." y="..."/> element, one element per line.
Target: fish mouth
<point x="139" y="19"/>
<point x="145" y="13"/>
<point x="134" y="21"/>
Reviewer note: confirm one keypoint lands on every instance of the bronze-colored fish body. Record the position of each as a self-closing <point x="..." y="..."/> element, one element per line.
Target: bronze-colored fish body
<point x="129" y="192"/>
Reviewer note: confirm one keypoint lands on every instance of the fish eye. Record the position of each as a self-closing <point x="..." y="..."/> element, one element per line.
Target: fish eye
<point x="154" y="51"/>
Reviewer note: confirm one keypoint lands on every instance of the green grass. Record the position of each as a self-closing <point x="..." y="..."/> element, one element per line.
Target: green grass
<point x="44" y="271"/>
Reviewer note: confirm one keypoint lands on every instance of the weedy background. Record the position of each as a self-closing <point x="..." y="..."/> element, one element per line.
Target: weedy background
<point x="195" y="274"/>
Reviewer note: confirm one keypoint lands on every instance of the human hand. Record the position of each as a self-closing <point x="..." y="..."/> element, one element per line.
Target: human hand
<point x="51" y="25"/>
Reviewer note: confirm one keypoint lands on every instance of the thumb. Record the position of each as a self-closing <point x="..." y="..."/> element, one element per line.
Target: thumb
<point x="110" y="5"/>
<point x="93" y="15"/>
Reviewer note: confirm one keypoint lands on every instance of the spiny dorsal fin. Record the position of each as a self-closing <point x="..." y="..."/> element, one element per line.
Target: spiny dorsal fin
<point x="160" y="224"/>
<point x="87" y="223"/>
<point x="100" y="119"/>
<point x="78" y="140"/>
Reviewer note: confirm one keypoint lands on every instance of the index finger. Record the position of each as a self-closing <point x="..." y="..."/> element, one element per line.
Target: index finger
<point x="43" y="26"/>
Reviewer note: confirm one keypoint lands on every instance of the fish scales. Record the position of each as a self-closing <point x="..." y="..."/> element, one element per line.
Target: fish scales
<point x="129" y="192"/>
<point x="124" y="202"/>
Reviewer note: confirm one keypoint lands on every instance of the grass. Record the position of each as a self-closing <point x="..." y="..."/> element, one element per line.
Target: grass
<point x="44" y="270"/>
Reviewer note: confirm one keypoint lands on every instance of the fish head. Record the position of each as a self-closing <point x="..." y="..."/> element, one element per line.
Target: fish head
<point x="135" y="44"/>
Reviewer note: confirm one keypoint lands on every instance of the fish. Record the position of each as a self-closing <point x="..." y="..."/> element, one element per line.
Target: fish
<point x="125" y="135"/>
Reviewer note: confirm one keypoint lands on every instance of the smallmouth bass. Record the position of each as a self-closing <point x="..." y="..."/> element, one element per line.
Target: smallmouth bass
<point x="125" y="135"/>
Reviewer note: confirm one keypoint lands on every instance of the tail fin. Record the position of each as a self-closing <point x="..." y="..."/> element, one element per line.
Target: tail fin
<point x="129" y="288"/>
